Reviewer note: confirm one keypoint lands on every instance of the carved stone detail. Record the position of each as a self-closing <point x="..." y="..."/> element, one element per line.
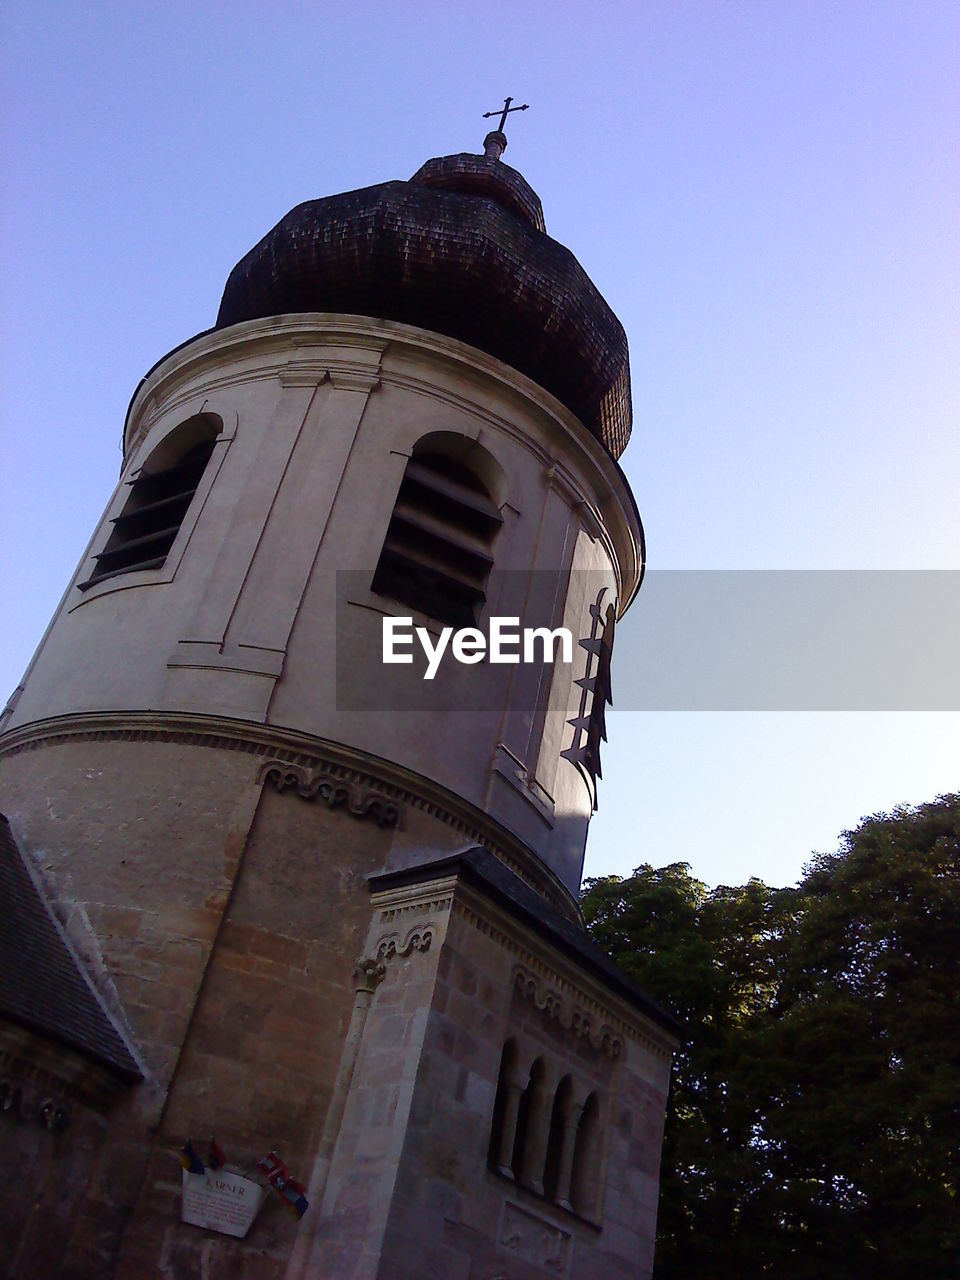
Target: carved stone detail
<point x="571" y="1016"/>
<point x="282" y="748"/>
<point x="419" y="938"/>
<point x="534" y="1239"/>
<point x="623" y="1027"/>
<point x="368" y="974"/>
<point x="362" y="802"/>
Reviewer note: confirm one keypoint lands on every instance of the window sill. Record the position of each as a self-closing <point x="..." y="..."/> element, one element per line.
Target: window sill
<point x="528" y="1198"/>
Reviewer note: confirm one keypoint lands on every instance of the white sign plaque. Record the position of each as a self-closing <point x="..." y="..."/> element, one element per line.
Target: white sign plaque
<point x="221" y="1201"/>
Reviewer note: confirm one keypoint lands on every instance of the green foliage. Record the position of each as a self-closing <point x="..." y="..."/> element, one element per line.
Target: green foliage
<point x="813" y="1127"/>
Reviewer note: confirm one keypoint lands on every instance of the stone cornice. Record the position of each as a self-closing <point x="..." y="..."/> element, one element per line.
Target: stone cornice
<point x="560" y="987"/>
<point x="409" y="915"/>
<point x="319" y="758"/>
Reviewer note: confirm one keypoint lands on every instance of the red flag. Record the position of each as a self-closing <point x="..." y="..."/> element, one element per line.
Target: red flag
<point x="293" y="1192"/>
<point x="273" y="1167"/>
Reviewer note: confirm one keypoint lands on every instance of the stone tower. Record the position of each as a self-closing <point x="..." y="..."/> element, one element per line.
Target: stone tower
<point x="258" y="886"/>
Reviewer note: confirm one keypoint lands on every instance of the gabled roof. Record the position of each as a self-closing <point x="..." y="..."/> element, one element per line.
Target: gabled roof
<point x="43" y="982"/>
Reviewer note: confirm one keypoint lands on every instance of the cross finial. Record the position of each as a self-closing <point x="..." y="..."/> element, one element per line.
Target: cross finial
<point x="506" y="111"/>
<point x="495" y="143"/>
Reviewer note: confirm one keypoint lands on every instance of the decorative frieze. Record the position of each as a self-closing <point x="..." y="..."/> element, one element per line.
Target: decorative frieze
<point x="565" y="994"/>
<point x="362" y="802"/>
<point x="288" y="751"/>
<point x="418" y="939"/>
<point x="409" y="919"/>
<point x="570" y="1015"/>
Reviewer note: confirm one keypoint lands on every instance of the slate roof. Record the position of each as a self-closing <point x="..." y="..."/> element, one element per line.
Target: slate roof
<point x="43" y="983"/>
<point x="460" y="249"/>
<point x="480" y="867"/>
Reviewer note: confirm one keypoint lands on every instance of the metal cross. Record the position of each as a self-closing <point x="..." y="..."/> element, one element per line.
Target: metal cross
<point x="506" y="111"/>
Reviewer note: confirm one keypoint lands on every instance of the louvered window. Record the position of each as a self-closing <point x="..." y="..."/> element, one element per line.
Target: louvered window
<point x="145" y="529"/>
<point x="437" y="554"/>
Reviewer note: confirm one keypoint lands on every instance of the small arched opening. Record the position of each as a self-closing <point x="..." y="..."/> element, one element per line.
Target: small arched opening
<point x="504" y="1114"/>
<point x="438" y="551"/>
<point x="562" y="1101"/>
<point x="531" y="1101"/>
<point x="586" y="1158"/>
<point x="144" y="531"/>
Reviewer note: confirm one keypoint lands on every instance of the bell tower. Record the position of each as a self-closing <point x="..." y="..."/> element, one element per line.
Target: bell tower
<point x="328" y="907"/>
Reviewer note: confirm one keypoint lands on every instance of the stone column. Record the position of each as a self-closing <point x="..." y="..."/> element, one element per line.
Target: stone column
<point x="571" y="1121"/>
<point x="534" y="1154"/>
<point x="514" y="1085"/>
<point x="367" y="976"/>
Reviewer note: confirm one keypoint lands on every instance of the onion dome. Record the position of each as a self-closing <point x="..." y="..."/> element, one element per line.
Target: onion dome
<point x="461" y="250"/>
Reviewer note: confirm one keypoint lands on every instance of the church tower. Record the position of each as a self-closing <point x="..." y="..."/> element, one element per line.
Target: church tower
<point x="261" y="886"/>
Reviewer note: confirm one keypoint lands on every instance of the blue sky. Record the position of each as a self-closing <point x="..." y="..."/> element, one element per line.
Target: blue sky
<point x="768" y="194"/>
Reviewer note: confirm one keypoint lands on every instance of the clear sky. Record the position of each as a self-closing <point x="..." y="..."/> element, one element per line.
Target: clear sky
<point x="768" y="195"/>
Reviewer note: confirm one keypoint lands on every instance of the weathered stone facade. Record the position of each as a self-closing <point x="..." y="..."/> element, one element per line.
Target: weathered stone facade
<point x="325" y="927"/>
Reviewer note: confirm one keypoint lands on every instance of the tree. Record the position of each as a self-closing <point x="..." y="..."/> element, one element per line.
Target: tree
<point x="813" y="1118"/>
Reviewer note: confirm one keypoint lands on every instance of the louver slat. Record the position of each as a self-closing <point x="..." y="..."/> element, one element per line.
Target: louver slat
<point x="147" y="527"/>
<point x="436" y="555"/>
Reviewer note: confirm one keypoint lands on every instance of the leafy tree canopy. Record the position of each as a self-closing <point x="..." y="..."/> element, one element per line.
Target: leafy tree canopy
<point x="813" y="1127"/>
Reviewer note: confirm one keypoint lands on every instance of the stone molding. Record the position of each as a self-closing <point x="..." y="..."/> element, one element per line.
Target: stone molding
<point x="347" y="375"/>
<point x="564" y="992"/>
<point x="571" y="1015"/>
<point x="410" y="919"/>
<point x="289" y="748"/>
<point x="303" y="373"/>
<point x="361" y="802"/>
<point x="419" y="938"/>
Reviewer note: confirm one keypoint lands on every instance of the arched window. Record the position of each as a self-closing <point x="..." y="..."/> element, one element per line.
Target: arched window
<point x="437" y="554"/>
<point x="503" y="1126"/>
<point x="527" y="1145"/>
<point x="586" y="1157"/>
<point x="546" y="1139"/>
<point x="145" y="529"/>
<point x="553" y="1167"/>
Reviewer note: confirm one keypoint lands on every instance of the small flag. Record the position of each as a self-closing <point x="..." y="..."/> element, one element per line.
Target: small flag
<point x="293" y="1192"/>
<point x="190" y="1160"/>
<point x="273" y="1167"/>
<point x="217" y="1158"/>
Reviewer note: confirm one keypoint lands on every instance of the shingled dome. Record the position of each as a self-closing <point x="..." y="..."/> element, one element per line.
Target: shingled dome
<point x="459" y="249"/>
